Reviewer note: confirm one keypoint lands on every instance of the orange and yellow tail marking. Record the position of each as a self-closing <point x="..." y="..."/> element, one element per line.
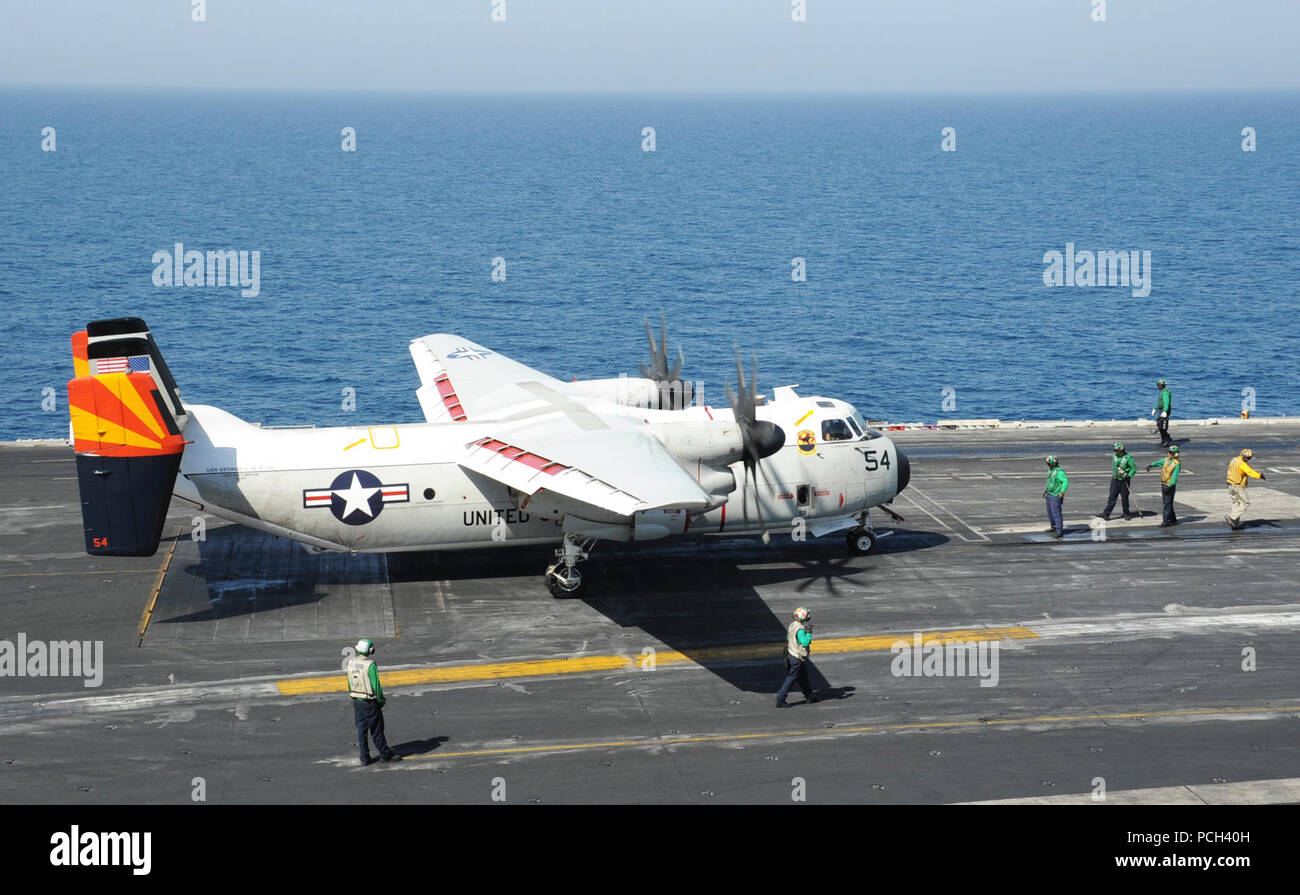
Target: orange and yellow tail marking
<point x="80" y="359"/>
<point x="116" y="414"/>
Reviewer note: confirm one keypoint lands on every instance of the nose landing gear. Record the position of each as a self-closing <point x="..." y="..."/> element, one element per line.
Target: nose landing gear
<point x="563" y="577"/>
<point x="862" y="538"/>
<point x="861" y="541"/>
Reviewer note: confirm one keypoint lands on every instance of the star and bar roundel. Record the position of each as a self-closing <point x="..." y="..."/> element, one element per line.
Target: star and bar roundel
<point x="355" y="497"/>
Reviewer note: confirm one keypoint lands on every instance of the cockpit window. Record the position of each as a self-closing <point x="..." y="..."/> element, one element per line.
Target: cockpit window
<point x="836" y="430"/>
<point x="857" y="430"/>
<point x="860" y="426"/>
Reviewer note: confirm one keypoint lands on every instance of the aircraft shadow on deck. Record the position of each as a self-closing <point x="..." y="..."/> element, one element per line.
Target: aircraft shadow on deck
<point x="700" y="597"/>
<point x="237" y="571"/>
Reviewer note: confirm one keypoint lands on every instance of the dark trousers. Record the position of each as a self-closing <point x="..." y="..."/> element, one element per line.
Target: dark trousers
<point x="1167" y="495"/>
<point x="370" y="720"/>
<point x="1054" y="512"/>
<point x="1162" y="423"/>
<point x="795" y="670"/>
<point x="1118" y="488"/>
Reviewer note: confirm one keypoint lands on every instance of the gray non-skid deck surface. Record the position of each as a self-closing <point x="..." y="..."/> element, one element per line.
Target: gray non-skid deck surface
<point x="1136" y="674"/>
<point x="244" y="586"/>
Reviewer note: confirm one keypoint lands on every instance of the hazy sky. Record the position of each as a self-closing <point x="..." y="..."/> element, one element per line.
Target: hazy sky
<point x="655" y="45"/>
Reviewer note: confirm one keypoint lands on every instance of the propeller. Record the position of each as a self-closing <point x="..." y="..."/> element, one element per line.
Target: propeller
<point x="759" y="438"/>
<point x="678" y="394"/>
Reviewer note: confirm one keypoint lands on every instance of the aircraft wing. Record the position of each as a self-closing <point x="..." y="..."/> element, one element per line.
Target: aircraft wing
<point x="619" y="471"/>
<point x="461" y="380"/>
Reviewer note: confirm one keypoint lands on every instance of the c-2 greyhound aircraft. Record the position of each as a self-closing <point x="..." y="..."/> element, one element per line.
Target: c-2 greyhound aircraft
<point x="507" y="455"/>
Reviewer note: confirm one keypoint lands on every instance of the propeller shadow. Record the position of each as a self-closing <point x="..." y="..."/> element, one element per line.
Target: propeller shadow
<point x="707" y="601"/>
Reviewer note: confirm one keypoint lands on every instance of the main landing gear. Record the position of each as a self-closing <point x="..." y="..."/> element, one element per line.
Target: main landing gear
<point x="563" y="577"/>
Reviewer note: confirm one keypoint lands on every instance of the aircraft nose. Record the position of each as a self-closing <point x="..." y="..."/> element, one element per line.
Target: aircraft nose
<point x="904" y="472"/>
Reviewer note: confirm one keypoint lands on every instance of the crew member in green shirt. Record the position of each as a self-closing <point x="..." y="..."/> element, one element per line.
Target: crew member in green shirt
<point x="1169" y="469"/>
<point x="1122" y="469"/>
<point x="1164" y="406"/>
<point x="1054" y="491"/>
<point x="368" y="702"/>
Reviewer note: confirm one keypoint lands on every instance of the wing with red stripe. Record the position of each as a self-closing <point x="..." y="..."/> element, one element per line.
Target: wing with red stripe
<point x="618" y="471"/>
<point x="462" y="380"/>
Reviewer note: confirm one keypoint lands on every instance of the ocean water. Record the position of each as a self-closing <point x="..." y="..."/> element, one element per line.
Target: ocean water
<point x="924" y="268"/>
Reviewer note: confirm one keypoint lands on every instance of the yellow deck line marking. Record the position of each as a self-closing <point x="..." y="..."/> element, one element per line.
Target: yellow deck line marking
<point x="834" y="731"/>
<point x="804" y="417"/>
<point x="540" y="667"/>
<point x="96" y="572"/>
<point x="157" y="587"/>
<point x="354" y="444"/>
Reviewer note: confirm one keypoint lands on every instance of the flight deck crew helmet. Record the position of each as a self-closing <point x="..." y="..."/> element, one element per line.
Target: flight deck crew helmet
<point x="1052" y="461"/>
<point x="365" y="647"/>
<point x="1160" y="383"/>
<point x="1173" y="449"/>
<point x="802" y="614"/>
<point x="1119" y="447"/>
<point x="1247" y="453"/>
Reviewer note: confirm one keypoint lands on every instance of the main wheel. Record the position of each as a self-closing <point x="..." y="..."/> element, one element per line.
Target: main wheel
<point x="566" y="582"/>
<point x="861" y="541"/>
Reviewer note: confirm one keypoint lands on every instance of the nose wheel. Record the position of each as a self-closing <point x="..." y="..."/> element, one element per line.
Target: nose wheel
<point x="862" y="538"/>
<point x="861" y="541"/>
<point x="563" y="577"/>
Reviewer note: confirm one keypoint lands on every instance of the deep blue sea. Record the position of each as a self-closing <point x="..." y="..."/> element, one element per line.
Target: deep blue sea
<point x="924" y="268"/>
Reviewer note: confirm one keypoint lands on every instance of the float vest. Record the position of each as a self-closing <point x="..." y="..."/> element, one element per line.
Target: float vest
<point x="359" y="686"/>
<point x="792" y="644"/>
<point x="1238" y="470"/>
<point x="1167" y="470"/>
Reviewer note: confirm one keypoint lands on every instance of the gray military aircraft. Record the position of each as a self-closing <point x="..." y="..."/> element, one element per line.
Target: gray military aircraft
<point x="506" y="456"/>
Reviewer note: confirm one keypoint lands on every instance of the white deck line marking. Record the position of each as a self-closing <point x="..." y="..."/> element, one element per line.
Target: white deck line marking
<point x="1248" y="792"/>
<point x="1147" y="522"/>
<point x="1139" y="626"/>
<point x="1156" y="624"/>
<point x="54" y="506"/>
<point x="934" y="517"/>
<point x="944" y="509"/>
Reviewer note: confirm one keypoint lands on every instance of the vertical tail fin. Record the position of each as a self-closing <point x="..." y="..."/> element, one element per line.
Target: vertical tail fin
<point x="127" y="420"/>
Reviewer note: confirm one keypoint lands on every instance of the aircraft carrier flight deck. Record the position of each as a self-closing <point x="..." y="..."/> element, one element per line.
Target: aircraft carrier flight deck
<point x="1159" y="661"/>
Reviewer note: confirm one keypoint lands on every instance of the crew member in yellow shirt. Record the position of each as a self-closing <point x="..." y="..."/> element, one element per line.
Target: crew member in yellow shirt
<point x="1239" y="473"/>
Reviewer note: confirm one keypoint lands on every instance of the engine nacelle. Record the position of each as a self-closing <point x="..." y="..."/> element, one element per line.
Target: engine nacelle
<point x="651" y="525"/>
<point x="605" y="531"/>
<point x="637" y="392"/>
<point x="699" y="443"/>
<point x="716" y="481"/>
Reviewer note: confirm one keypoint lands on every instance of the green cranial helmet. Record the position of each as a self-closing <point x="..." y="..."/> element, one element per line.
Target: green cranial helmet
<point x="1173" y="449"/>
<point x="1052" y="461"/>
<point x="1160" y="383"/>
<point x="365" y="647"/>
<point x="1119" y="447"/>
